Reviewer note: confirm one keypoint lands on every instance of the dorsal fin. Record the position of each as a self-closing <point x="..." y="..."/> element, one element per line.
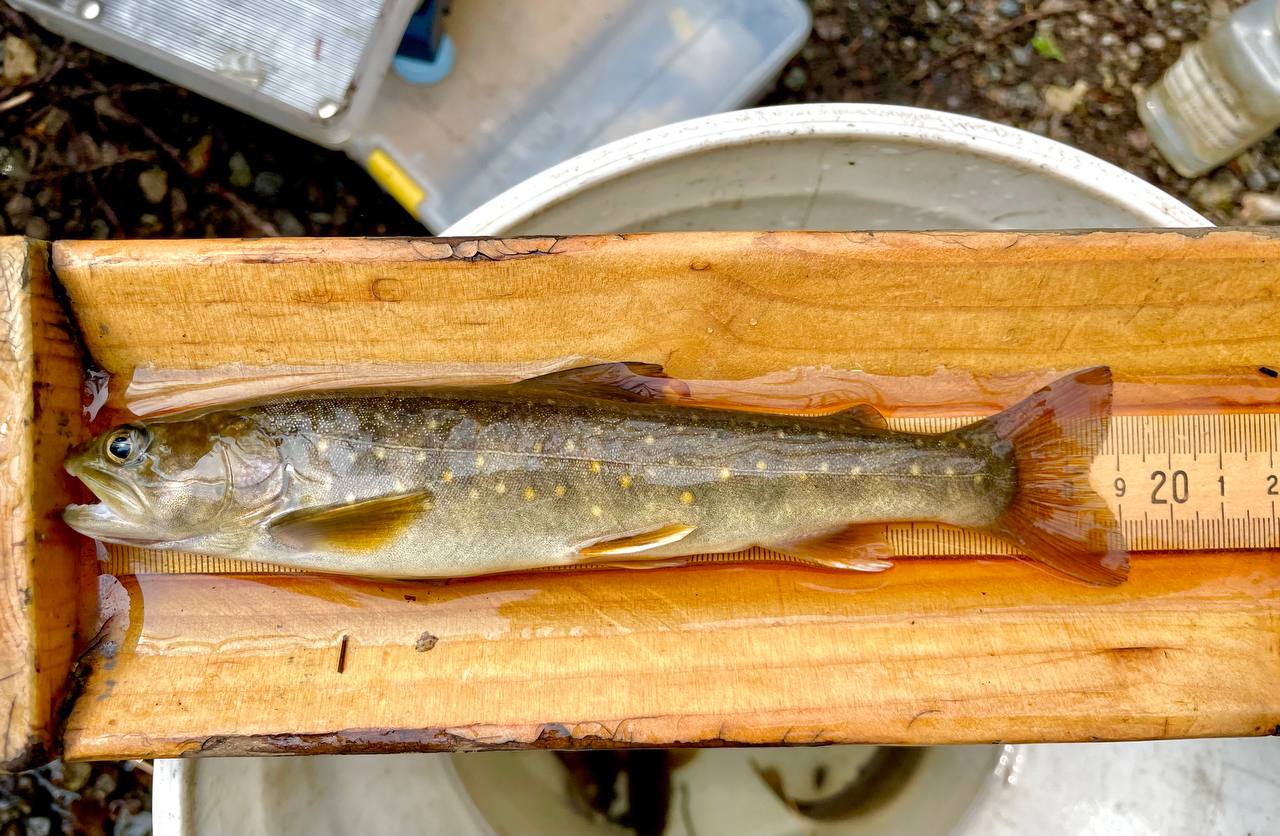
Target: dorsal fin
<point x="611" y="381"/>
<point x="858" y="416"/>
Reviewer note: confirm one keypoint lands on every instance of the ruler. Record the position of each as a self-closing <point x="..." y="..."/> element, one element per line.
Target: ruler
<point x="1174" y="482"/>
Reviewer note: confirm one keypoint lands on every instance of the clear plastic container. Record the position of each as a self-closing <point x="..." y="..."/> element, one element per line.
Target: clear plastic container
<point x="534" y="84"/>
<point x="1222" y="95"/>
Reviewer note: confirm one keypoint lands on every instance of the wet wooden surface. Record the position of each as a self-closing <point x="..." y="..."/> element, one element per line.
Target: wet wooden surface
<point x="933" y="651"/>
<point x="40" y="598"/>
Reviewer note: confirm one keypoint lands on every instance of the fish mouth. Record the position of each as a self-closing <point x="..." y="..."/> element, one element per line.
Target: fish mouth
<point x="112" y="518"/>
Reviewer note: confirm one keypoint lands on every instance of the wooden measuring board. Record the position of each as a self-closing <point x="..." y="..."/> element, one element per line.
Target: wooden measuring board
<point x="1174" y="482"/>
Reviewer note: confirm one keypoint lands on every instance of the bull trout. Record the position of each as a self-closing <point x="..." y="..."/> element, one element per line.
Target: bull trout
<point x="587" y="467"/>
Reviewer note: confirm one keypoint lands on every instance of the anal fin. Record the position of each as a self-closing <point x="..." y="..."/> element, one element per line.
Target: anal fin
<point x="859" y="547"/>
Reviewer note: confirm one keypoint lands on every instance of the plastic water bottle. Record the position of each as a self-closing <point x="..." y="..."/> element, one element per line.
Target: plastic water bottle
<point x="1222" y="95"/>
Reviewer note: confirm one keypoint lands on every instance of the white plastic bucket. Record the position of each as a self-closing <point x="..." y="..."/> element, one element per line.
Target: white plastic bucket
<point x="829" y="166"/>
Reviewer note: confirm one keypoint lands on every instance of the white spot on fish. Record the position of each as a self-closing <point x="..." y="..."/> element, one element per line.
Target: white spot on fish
<point x="399" y="486"/>
<point x="950" y="471"/>
<point x="350" y="497"/>
<point x="473" y="493"/>
<point x="433" y="424"/>
<point x="420" y="457"/>
<point x="500" y="488"/>
<point x="760" y="465"/>
<point x="915" y="470"/>
<point x="648" y="439"/>
<point x="824" y="467"/>
<point x="919" y="442"/>
<point x="322" y="445"/>
<point x="672" y="461"/>
<point x="479" y="461"/>
<point x="821" y="434"/>
<point x="855" y="471"/>
<point x="977" y="478"/>
<point x="782" y="433"/>
<point x="687" y="497"/>
<point x="596" y="510"/>
<point x="379" y="453"/>
<point x="569" y="446"/>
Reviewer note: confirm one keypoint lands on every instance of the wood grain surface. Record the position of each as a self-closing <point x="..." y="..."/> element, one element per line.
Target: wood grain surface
<point x="933" y="651"/>
<point x="40" y="584"/>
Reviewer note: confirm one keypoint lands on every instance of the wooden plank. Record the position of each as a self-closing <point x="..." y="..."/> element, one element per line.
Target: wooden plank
<point x="40" y="583"/>
<point x="724" y="305"/>
<point x="933" y="651"/>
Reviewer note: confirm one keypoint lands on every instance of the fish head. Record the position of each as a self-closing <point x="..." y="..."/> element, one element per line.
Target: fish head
<point x="166" y="482"/>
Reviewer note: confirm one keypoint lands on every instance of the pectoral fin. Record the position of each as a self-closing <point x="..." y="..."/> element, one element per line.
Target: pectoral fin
<point x="355" y="526"/>
<point x="860" y="547"/>
<point x="623" y="547"/>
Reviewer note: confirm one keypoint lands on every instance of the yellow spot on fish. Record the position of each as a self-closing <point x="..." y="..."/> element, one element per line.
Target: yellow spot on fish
<point x="479" y="461"/>
<point x="447" y="476"/>
<point x="560" y="489"/>
<point x="569" y="446"/>
<point x="530" y="494"/>
<point x="725" y="474"/>
<point x="915" y="470"/>
<point x="379" y="453"/>
<point x="824" y="467"/>
<point x="500" y="488"/>
<point x="648" y="439"/>
<point x="595" y="467"/>
<point x="625" y="480"/>
<point x="420" y="457"/>
<point x="919" y="442"/>
<point x="822" y="435"/>
<point x="596" y="511"/>
<point x="760" y="465"/>
<point x="687" y="497"/>
<point x="962" y="445"/>
<point x="950" y="471"/>
<point x="322" y="445"/>
<point x="855" y="471"/>
<point x="473" y="493"/>
<point x="537" y="446"/>
<point x="433" y="424"/>
<point x="782" y="433"/>
<point x="977" y="478"/>
<point x="672" y="461"/>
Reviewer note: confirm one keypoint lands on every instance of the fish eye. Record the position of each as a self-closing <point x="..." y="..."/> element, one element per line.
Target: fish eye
<point x="126" y="445"/>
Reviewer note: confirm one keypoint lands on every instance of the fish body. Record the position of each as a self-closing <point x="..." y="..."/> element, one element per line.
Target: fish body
<point x="566" y="471"/>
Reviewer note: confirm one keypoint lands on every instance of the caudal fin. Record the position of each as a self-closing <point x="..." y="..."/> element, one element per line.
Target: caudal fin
<point x="1056" y="517"/>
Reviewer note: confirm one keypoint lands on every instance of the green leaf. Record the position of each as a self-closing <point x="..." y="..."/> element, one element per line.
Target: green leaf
<point x="1044" y="44"/>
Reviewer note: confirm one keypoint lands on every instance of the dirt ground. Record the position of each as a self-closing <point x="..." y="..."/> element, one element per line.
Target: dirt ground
<point x="91" y="148"/>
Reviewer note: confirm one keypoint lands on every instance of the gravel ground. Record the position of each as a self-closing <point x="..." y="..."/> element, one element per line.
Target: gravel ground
<point x="90" y="148"/>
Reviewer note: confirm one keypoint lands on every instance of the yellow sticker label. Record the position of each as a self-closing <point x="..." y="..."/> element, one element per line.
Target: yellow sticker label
<point x="396" y="180"/>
